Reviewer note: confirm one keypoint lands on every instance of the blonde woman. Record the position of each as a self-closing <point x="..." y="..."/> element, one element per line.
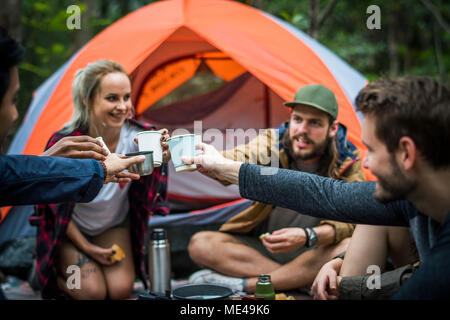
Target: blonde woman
<point x="75" y="234"/>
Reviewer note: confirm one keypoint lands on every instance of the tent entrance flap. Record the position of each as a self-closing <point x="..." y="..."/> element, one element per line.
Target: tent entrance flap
<point x="171" y="75"/>
<point x="243" y="103"/>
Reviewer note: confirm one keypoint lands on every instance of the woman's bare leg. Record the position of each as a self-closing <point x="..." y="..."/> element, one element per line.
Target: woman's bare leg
<point x="121" y="275"/>
<point x="92" y="281"/>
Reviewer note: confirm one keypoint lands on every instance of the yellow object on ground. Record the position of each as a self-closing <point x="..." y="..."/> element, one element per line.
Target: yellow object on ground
<point x="282" y="296"/>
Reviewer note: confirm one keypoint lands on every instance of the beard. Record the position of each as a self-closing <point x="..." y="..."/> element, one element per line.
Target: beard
<point x="318" y="150"/>
<point x="393" y="186"/>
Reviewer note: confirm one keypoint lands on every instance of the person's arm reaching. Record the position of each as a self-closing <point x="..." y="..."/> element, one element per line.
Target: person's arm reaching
<point x="211" y="163"/>
<point x="37" y="180"/>
<point x="317" y="196"/>
<point x="306" y="193"/>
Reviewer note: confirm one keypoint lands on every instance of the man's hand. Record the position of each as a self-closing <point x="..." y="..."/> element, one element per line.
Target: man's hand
<point x="211" y="163"/>
<point x="326" y="284"/>
<point x="115" y="166"/>
<point x="285" y="240"/>
<point x="80" y="147"/>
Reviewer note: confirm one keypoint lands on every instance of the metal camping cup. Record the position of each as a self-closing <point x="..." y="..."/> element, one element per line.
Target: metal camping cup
<point x="151" y="141"/>
<point x="143" y="168"/>
<point x="159" y="262"/>
<point x="182" y="145"/>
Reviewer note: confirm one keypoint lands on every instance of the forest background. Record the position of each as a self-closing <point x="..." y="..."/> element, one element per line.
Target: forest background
<point x="413" y="39"/>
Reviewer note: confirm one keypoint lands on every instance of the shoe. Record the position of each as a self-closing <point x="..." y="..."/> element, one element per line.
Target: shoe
<point x="211" y="277"/>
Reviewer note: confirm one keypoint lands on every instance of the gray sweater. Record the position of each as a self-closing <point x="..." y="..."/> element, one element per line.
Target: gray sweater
<point x="353" y="202"/>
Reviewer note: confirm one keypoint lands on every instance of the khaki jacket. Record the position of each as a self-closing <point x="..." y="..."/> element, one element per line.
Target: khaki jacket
<point x="266" y="149"/>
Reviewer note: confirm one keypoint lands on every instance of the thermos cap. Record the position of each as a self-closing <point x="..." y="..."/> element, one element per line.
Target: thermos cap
<point x="158" y="234"/>
<point x="264" y="278"/>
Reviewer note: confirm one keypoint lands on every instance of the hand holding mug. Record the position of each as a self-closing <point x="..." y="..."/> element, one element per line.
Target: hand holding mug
<point x="115" y="166"/>
<point x="211" y="163"/>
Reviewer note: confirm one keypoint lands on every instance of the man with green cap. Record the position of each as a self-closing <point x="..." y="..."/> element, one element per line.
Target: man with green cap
<point x="264" y="239"/>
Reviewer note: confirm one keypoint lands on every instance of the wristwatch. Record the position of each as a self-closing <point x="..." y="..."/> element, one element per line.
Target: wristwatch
<point x="312" y="239"/>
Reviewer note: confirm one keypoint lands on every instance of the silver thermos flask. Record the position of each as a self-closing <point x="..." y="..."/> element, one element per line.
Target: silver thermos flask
<point x="159" y="262"/>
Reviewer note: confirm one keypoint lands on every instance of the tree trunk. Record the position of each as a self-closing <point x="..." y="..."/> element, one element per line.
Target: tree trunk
<point x="392" y="45"/>
<point x="438" y="50"/>
<point x="313" y="18"/>
<point x="123" y="5"/>
<point x="316" y="18"/>
<point x="437" y="15"/>
<point x="83" y="35"/>
<point x="10" y="18"/>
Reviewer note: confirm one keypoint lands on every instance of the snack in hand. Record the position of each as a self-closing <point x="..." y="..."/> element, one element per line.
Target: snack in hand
<point x="118" y="253"/>
<point x="263" y="235"/>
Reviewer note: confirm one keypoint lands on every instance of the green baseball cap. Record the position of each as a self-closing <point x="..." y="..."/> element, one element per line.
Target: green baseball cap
<point x="317" y="96"/>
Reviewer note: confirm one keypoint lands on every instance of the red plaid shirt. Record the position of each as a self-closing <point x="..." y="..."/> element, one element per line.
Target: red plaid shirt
<point x="147" y="196"/>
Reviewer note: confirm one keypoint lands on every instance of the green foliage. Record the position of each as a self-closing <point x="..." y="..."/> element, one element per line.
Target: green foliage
<point x="345" y="33"/>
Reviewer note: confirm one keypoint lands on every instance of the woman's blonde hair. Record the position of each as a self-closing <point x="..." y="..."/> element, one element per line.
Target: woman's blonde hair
<point x="85" y="88"/>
